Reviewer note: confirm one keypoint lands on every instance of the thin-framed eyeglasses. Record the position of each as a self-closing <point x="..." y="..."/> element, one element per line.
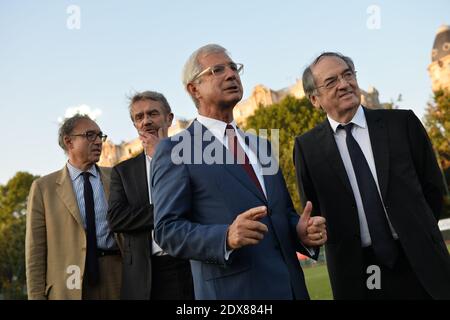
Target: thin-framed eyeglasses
<point x="219" y="70"/>
<point x="347" y="76"/>
<point x="91" y="136"/>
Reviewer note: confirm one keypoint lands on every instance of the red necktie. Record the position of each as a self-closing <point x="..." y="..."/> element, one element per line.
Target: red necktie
<point x="240" y="157"/>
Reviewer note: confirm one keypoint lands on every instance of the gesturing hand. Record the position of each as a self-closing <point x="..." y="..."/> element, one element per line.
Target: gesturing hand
<point x="150" y="141"/>
<point x="246" y="229"/>
<point x="311" y="230"/>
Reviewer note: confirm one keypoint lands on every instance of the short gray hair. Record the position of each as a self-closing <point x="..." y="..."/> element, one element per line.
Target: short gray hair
<point x="67" y="127"/>
<point x="192" y="66"/>
<point x="309" y="85"/>
<point x="149" y="95"/>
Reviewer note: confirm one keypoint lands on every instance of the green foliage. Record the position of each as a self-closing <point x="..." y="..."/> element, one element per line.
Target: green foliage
<point x="13" y="200"/>
<point x="13" y="196"/>
<point x="437" y="123"/>
<point x="292" y="117"/>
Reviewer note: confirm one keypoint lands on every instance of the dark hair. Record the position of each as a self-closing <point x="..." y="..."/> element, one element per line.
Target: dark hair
<point x="67" y="127"/>
<point x="149" y="95"/>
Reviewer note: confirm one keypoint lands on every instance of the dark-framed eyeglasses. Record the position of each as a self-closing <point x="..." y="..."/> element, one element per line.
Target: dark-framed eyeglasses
<point x="347" y="76"/>
<point x="219" y="70"/>
<point x="91" y="136"/>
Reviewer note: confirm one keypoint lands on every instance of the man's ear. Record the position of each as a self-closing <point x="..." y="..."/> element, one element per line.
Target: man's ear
<point x="315" y="101"/>
<point x="193" y="90"/>
<point x="169" y="119"/>
<point x="68" y="142"/>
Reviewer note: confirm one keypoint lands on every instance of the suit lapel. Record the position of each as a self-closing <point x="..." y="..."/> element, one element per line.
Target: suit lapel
<point x="141" y="180"/>
<point x="379" y="141"/>
<point x="106" y="180"/>
<point x="332" y="154"/>
<point x="66" y="193"/>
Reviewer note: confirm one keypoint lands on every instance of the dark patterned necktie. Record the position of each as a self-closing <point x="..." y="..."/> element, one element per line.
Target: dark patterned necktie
<point x="382" y="241"/>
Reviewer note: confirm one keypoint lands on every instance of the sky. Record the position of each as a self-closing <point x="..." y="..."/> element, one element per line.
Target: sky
<point x="59" y="55"/>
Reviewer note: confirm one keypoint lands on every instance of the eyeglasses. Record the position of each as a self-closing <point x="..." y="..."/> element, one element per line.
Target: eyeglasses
<point x="348" y="76"/>
<point x="219" y="69"/>
<point x="91" y="136"/>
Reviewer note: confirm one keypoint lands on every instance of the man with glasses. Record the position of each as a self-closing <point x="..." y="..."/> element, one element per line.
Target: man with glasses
<point x="225" y="213"/>
<point x="70" y="250"/>
<point x="148" y="271"/>
<point x="373" y="175"/>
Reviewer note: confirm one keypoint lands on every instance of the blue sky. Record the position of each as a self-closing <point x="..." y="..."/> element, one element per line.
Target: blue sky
<point x="123" y="46"/>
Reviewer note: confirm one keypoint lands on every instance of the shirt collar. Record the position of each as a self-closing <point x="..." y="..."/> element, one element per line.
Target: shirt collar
<point x="217" y="127"/>
<point x="359" y="119"/>
<point x="75" y="172"/>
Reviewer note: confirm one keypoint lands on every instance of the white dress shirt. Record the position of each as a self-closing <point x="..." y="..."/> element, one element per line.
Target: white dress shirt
<point x="360" y="132"/>
<point x="156" y="249"/>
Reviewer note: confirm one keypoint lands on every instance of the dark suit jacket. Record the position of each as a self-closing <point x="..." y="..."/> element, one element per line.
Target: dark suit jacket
<point x="412" y="189"/>
<point x="195" y="204"/>
<point x="131" y="214"/>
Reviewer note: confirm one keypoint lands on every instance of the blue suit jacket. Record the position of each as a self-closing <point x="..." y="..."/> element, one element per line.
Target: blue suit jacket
<point x="195" y="202"/>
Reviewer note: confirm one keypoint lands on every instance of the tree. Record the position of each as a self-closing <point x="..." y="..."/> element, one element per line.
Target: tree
<point x="437" y="123"/>
<point x="292" y="117"/>
<point x="13" y="200"/>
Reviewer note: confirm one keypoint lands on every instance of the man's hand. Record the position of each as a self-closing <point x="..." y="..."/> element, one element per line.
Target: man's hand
<point x="150" y="141"/>
<point x="311" y="230"/>
<point x="246" y="229"/>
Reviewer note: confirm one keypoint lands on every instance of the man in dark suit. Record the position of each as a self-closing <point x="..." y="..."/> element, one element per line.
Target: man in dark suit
<point x="148" y="272"/>
<point x="374" y="176"/>
<point x="217" y="204"/>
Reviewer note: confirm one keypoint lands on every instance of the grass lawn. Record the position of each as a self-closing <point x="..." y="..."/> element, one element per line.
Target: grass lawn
<point x="318" y="282"/>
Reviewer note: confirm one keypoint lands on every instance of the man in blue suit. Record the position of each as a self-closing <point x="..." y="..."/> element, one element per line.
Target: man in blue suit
<point x="222" y="203"/>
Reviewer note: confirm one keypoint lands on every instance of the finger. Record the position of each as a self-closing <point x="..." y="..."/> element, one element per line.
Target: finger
<point x="254" y="213"/>
<point x="318" y="220"/>
<point x="250" y="234"/>
<point x="307" y="211"/>
<point x="320" y="242"/>
<point x="256" y="226"/>
<point x="248" y="241"/>
<point x="315" y="236"/>
<point x="314" y="229"/>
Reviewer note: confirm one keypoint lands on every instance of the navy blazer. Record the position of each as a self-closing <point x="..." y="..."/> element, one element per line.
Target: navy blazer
<point x="195" y="202"/>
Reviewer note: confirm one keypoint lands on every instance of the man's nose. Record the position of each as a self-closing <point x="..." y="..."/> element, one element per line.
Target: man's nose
<point x="342" y="83"/>
<point x="147" y="119"/>
<point x="230" y="73"/>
